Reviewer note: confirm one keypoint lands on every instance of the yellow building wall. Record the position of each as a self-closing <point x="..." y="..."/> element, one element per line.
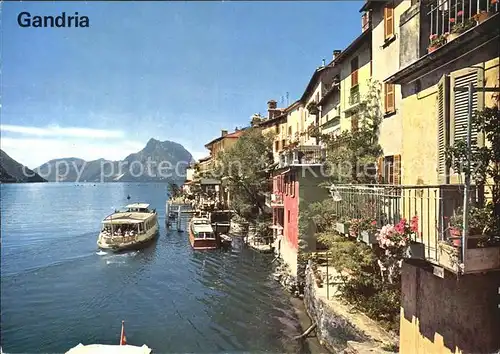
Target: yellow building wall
<point x="419" y="130"/>
<point x="295" y="124"/>
<point x="385" y="62"/>
<point x="222" y="145"/>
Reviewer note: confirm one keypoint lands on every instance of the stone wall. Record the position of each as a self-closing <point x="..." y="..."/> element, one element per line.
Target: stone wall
<point x="339" y="329"/>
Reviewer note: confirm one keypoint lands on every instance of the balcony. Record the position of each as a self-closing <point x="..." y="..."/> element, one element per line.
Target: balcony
<point x="448" y="19"/>
<point x="434" y="205"/>
<point x="435" y="32"/>
<point x="354" y="100"/>
<point x="302" y="155"/>
<point x="274" y="200"/>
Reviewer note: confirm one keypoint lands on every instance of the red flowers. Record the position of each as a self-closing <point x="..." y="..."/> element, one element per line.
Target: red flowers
<point x="494" y="2"/>
<point x="452" y="20"/>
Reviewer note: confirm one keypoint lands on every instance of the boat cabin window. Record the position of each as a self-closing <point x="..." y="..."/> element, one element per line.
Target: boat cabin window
<point x="204" y="235"/>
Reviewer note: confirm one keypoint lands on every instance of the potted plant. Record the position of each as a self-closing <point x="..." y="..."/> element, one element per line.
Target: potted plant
<point x="481" y="16"/>
<point x="368" y="232"/>
<point x="459" y="26"/>
<point x="342" y="227"/>
<point x="312" y="107"/>
<point x="436" y="41"/>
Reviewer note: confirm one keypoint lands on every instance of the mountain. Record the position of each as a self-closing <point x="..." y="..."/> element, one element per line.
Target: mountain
<point x="12" y="171"/>
<point x="155" y="163"/>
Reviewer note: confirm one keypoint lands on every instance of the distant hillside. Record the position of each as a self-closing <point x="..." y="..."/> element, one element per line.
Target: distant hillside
<point x="12" y="171"/>
<point x="148" y="165"/>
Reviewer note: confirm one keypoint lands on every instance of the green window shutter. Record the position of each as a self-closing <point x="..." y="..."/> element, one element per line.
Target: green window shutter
<point x="443" y="119"/>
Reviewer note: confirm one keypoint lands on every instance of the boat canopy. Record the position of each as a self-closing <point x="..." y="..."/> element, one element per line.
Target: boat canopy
<point x="122" y="221"/>
<point x="202" y="228"/>
<point x="109" y="349"/>
<point x="138" y="206"/>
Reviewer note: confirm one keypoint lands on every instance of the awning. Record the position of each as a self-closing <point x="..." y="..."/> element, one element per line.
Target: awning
<point x="109" y="349"/>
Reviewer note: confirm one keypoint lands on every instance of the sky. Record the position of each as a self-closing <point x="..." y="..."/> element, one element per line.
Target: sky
<point x="178" y="71"/>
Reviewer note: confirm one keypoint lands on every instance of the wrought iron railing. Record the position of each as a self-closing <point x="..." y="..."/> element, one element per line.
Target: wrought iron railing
<point x="388" y="204"/>
<point x="302" y="155"/>
<point x="457" y="16"/>
<point x="354" y="97"/>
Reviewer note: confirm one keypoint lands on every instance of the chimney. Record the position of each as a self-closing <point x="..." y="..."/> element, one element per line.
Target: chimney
<point x="271" y="108"/>
<point x="323" y="62"/>
<point x="336" y="53"/>
<point x="223" y="132"/>
<point x="365" y="21"/>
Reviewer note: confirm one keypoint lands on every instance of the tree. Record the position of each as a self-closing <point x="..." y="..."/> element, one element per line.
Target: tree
<point x="352" y="155"/>
<point x="174" y="190"/>
<point x="244" y="170"/>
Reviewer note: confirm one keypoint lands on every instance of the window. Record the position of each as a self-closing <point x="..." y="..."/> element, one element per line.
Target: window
<point x="277" y="129"/>
<point x="354" y="71"/>
<point x="283" y="143"/>
<point x="388" y="22"/>
<point x="452" y="111"/>
<point x="389" y="170"/>
<point x="276" y="146"/>
<point x="389" y="98"/>
<point x="288" y="215"/>
<point x="290" y="132"/>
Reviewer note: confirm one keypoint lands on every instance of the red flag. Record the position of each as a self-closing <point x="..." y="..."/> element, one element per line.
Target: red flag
<point x="123" y="339"/>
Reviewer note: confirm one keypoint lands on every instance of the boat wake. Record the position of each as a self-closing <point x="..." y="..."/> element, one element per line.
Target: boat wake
<point x="101" y="253"/>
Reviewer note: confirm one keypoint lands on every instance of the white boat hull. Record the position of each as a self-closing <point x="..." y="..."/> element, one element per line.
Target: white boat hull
<point x="138" y="241"/>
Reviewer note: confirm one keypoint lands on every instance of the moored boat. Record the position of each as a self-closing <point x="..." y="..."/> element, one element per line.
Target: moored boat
<point x="131" y="228"/>
<point x="201" y="234"/>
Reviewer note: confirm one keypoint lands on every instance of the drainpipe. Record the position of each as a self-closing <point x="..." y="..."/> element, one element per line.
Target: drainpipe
<point x="465" y="230"/>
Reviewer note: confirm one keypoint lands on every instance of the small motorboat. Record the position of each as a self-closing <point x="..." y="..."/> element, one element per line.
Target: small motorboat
<point x="122" y="348"/>
<point x="201" y="234"/>
<point x="225" y="240"/>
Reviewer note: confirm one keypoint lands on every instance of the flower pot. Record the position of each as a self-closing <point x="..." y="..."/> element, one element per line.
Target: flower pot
<point x="456" y="241"/>
<point x="452" y="36"/>
<point x="368" y="237"/>
<point x="481" y="17"/>
<point x="342" y="228"/>
<point x="415" y="250"/>
<point x="477" y="259"/>
<point x="431" y="49"/>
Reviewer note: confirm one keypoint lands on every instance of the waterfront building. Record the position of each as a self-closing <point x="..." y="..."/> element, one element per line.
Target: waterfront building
<point x="427" y="53"/>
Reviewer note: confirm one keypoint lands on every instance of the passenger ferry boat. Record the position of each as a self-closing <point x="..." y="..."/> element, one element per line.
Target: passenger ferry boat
<point x="131" y="228"/>
<point x="201" y="234"/>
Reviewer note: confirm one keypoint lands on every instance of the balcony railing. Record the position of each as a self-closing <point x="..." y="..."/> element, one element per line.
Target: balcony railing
<point x="302" y="155"/>
<point x="457" y="16"/>
<point x="433" y="205"/>
<point x="274" y="199"/>
<point x="354" y="97"/>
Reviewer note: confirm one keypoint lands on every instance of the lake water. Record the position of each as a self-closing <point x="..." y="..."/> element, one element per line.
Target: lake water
<point x="58" y="290"/>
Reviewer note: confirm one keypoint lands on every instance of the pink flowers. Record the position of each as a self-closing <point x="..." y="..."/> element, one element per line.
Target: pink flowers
<point x="452" y="20"/>
<point x="414" y="224"/>
<point x="394" y="237"/>
<point x="433" y="37"/>
<point x="460" y="13"/>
